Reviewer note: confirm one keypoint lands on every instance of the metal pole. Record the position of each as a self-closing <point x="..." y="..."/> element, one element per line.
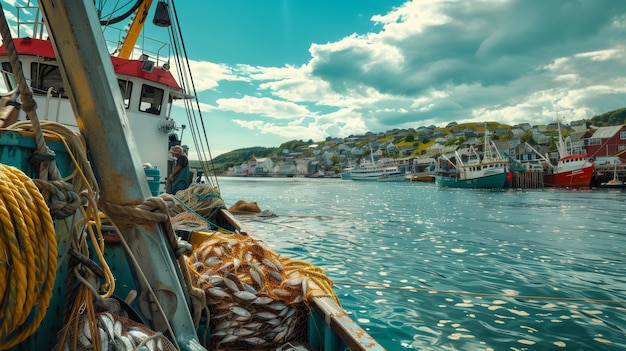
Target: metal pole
<point x="99" y="108"/>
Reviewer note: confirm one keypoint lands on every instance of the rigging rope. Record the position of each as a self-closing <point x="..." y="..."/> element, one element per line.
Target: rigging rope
<point x="29" y="105"/>
<point x="196" y="123"/>
<point x="28" y="254"/>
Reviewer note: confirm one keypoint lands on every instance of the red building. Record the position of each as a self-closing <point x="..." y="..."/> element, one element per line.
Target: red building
<point x="608" y="141"/>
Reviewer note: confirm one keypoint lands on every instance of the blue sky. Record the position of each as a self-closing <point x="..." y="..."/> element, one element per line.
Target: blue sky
<point x="269" y="71"/>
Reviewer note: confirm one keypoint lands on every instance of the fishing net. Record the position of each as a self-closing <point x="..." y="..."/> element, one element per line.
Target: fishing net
<point x="202" y="199"/>
<point x="257" y="299"/>
<point x="110" y="330"/>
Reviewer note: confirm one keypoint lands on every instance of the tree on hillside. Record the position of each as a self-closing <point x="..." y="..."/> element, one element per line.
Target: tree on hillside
<point x="551" y="144"/>
<point x="508" y="135"/>
<point x="527" y="137"/>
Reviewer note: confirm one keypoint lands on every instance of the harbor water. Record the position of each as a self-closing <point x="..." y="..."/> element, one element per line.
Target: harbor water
<point x="427" y="268"/>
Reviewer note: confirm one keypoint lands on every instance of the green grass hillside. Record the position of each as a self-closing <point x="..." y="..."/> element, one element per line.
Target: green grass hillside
<point x="236" y="157"/>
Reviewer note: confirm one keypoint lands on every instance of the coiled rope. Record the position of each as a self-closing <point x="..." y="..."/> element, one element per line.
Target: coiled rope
<point x="28" y="256"/>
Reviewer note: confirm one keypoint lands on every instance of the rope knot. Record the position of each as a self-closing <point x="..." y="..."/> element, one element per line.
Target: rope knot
<point x="61" y="197"/>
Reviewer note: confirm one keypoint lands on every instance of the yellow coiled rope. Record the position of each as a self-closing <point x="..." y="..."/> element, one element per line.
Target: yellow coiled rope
<point x="28" y="256"/>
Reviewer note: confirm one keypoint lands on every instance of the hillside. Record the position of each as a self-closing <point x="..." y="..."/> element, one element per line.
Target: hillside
<point x="236" y="157"/>
<point x="611" y="118"/>
<point x="411" y="137"/>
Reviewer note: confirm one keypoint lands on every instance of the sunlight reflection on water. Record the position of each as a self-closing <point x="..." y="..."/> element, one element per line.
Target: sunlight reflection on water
<point x="453" y="269"/>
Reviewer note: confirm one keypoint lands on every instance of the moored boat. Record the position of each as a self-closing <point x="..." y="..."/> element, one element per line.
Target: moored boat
<point x="423" y="170"/>
<point x="395" y="176"/>
<point x="370" y="171"/>
<point x="99" y="263"/>
<point x="572" y="169"/>
<point x="345" y="174"/>
<point x="488" y="171"/>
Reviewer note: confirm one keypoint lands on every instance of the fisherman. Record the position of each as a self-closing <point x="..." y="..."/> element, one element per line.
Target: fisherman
<point x="179" y="177"/>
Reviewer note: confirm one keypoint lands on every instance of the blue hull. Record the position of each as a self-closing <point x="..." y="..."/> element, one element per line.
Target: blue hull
<point x="492" y="181"/>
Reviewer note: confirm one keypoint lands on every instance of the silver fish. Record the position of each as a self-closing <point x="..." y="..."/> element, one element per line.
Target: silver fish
<point x="245" y="295"/>
<point x="290" y="312"/>
<point x="281" y="293"/>
<point x="216" y="280"/>
<point x="218" y="251"/>
<point x="104" y="340"/>
<point x="273" y="322"/>
<point x="276" y="263"/>
<point x="275" y="275"/>
<point x="226" y="324"/>
<point x="270" y="264"/>
<point x="262" y="300"/>
<point x="217" y="292"/>
<point x="280" y="336"/>
<point x="277" y="305"/>
<point x="127" y="341"/>
<point x="256" y="276"/>
<point x="240" y="311"/>
<point x="212" y="261"/>
<point x="265" y="315"/>
<point x="118" y="327"/>
<point x="225" y="267"/>
<point x="231" y="284"/>
<point x="254" y="325"/>
<point x="249" y="288"/>
<point x="255" y="341"/>
<point x="294" y="282"/>
<point x="297" y="299"/>
<point x="137" y="335"/>
<point x="228" y="338"/>
<point x="107" y="323"/>
<point x="85" y="336"/>
<point x="243" y="332"/>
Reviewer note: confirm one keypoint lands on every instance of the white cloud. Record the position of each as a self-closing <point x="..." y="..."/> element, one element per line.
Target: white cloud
<point x="264" y="107"/>
<point x="436" y="61"/>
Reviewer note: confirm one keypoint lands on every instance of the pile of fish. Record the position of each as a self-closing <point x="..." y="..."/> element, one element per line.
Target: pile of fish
<point x="115" y="333"/>
<point x="254" y="301"/>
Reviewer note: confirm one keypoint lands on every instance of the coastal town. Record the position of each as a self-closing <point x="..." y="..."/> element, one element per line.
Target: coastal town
<point x="415" y="152"/>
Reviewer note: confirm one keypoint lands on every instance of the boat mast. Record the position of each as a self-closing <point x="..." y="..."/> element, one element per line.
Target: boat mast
<point x="97" y="102"/>
<point x="560" y="145"/>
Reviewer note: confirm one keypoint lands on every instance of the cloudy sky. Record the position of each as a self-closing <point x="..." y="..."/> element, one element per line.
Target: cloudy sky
<point x="272" y="71"/>
<point x="269" y="71"/>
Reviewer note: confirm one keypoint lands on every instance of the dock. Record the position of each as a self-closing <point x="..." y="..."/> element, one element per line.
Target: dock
<point x="527" y="180"/>
<point x="604" y="173"/>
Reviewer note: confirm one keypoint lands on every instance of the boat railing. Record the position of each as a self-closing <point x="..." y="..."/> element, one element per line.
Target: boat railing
<point x="29" y="21"/>
<point x="8" y="85"/>
<point x="158" y="51"/>
<point x="30" y="24"/>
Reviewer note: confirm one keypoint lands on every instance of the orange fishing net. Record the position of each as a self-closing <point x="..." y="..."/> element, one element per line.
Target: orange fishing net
<point x="257" y="299"/>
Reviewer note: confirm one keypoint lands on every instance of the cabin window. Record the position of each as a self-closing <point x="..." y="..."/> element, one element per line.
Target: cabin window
<point x="44" y="77"/>
<point x="126" y="87"/>
<point x="7" y="82"/>
<point x="622" y="135"/>
<point x="151" y="99"/>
